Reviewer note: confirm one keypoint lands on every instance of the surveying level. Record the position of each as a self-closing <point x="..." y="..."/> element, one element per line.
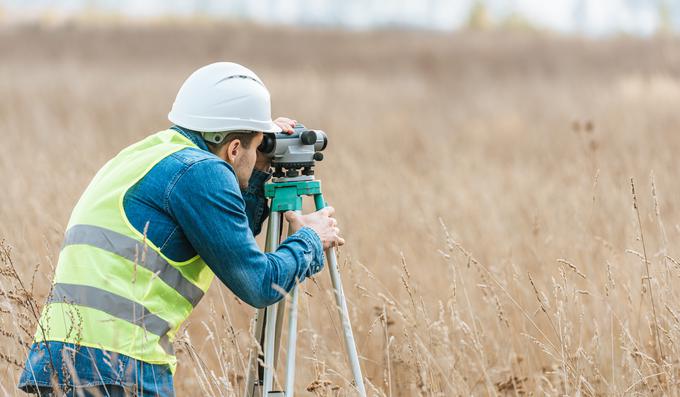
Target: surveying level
<point x="295" y="152"/>
<point x="286" y="194"/>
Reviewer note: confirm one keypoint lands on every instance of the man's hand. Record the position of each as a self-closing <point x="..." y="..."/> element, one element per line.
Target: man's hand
<point x="286" y="124"/>
<point x="263" y="162"/>
<point x="321" y="222"/>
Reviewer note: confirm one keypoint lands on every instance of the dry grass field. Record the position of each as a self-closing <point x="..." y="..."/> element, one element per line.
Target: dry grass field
<point x="482" y="181"/>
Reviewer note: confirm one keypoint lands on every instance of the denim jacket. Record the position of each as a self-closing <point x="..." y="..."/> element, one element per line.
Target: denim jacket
<point x="191" y="203"/>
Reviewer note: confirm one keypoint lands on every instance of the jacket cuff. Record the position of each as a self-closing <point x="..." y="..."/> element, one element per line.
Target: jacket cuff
<point x="309" y="236"/>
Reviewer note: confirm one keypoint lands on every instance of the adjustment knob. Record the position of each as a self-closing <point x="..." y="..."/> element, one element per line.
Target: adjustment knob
<point x="308" y="137"/>
<point x="318" y="156"/>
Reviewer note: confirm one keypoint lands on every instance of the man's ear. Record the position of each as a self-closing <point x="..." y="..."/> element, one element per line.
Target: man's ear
<point x="231" y="150"/>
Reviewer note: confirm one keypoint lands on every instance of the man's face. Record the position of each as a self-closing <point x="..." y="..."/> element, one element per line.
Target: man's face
<point x="244" y="161"/>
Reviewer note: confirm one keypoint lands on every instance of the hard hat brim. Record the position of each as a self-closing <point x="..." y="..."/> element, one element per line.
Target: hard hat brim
<point x="274" y="128"/>
<point x="221" y="124"/>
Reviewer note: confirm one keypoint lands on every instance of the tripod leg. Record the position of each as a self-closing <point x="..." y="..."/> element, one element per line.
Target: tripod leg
<point x="269" y="341"/>
<point x="353" y="356"/>
<point x="292" y="341"/>
<point x="341" y="303"/>
<point x="292" y="338"/>
<point x="256" y="373"/>
<point x="280" y="315"/>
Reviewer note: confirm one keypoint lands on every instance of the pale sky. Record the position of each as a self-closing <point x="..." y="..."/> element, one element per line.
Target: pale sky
<point x="591" y="17"/>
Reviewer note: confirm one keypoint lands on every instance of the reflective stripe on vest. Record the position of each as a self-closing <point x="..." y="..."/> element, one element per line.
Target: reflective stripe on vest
<point x="136" y="252"/>
<point x="114" y="305"/>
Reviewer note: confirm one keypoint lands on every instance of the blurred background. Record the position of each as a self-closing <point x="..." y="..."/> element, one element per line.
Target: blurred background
<point x="481" y="160"/>
<point x="639" y="17"/>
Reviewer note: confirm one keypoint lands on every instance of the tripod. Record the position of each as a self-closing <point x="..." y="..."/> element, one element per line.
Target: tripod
<point x="286" y="195"/>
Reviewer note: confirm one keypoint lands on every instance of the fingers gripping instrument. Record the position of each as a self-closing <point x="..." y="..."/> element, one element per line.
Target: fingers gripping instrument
<point x="286" y="194"/>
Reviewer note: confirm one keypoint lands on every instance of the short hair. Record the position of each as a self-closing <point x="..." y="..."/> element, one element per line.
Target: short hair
<point x="246" y="138"/>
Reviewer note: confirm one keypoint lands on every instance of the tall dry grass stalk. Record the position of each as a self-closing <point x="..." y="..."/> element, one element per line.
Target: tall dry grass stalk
<point x="483" y="183"/>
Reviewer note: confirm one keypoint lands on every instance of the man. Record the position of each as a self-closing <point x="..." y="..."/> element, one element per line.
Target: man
<point x="150" y="231"/>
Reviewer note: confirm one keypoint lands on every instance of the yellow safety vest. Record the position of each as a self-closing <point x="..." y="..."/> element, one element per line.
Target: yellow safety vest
<point x="113" y="289"/>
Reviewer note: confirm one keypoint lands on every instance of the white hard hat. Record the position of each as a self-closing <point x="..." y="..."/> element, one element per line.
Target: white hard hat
<point x="223" y="96"/>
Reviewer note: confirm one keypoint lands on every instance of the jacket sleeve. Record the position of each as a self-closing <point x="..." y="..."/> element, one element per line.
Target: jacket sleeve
<point x="256" y="204"/>
<point x="206" y="201"/>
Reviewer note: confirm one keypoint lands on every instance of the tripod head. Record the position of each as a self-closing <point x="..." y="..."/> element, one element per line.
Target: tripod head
<point x="295" y="154"/>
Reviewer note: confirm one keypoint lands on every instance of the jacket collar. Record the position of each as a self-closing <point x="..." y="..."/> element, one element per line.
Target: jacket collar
<point x="193" y="136"/>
